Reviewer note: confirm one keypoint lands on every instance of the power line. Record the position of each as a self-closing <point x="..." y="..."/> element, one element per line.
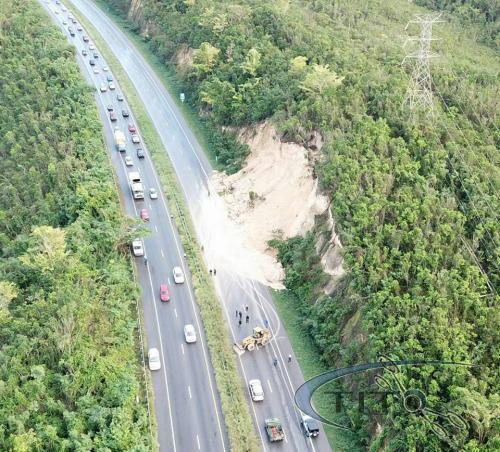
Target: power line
<point x="419" y="95"/>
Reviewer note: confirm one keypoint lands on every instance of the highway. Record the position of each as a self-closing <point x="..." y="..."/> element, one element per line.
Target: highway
<point x="187" y="391"/>
<point x="185" y="397"/>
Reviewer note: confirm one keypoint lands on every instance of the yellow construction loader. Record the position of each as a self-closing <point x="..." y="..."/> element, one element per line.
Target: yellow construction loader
<point x="260" y="337"/>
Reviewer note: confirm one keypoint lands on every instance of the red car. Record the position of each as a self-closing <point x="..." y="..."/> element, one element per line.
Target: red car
<point x="112" y="116"/>
<point x="131" y="128"/>
<point x="164" y="293"/>
<point x="144" y="215"/>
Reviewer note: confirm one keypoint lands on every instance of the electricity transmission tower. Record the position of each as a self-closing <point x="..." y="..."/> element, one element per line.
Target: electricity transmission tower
<point x="419" y="96"/>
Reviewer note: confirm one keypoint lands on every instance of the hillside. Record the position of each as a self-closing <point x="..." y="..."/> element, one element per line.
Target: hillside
<point x="70" y="377"/>
<point x="414" y="198"/>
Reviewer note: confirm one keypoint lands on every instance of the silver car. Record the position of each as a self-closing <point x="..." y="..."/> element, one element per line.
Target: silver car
<point x="154" y="359"/>
<point x="189" y="334"/>
<point x="256" y="391"/>
<point x="178" y="275"/>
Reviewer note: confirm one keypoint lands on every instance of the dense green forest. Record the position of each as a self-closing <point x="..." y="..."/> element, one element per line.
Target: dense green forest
<point x="482" y="16"/>
<point x="415" y="198"/>
<point x="69" y="372"/>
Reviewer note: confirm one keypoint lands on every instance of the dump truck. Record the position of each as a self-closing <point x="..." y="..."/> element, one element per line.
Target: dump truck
<point x="120" y="141"/>
<point x="260" y="337"/>
<point x="274" y="430"/>
<point x="136" y="186"/>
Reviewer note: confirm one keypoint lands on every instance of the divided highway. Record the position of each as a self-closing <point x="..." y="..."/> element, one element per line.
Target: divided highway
<point x="186" y="400"/>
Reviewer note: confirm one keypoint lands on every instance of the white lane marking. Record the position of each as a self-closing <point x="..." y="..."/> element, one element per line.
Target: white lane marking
<point x="161" y="251"/>
<point x="150" y="206"/>
<point x="175" y="312"/>
<point x="168" y="279"/>
<point x="252" y="405"/>
<point x="189" y="391"/>
<point x="182" y="348"/>
<point x="117" y="31"/>
<point x="270" y="388"/>
<point x="156" y="228"/>
<point x="198" y="441"/>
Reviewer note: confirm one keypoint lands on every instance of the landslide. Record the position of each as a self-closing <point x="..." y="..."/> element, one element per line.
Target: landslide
<point x="414" y="198"/>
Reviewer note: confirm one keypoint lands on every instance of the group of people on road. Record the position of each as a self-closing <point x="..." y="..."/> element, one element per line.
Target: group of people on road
<point x="240" y="315"/>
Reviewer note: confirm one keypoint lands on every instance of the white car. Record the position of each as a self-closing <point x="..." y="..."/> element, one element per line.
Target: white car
<point x="64" y="22"/>
<point x="129" y="161"/>
<point x="256" y="391"/>
<point x="154" y="359"/>
<point x="96" y="70"/>
<point x="137" y="248"/>
<point x="189" y="334"/>
<point x="153" y="194"/>
<point x="79" y="28"/>
<point x="91" y="46"/>
<point x="178" y="275"/>
<point x="64" y="9"/>
<point x="103" y="88"/>
<point x="56" y="11"/>
<point x="111" y="86"/>
<point x="135" y="138"/>
<point x="105" y="68"/>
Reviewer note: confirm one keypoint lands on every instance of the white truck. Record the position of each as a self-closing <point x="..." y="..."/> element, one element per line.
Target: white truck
<point x="136" y="186"/>
<point x="120" y="141"/>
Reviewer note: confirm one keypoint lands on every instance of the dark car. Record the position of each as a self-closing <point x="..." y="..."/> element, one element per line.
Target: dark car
<point x="109" y="78"/>
<point x="84" y="52"/>
<point x="112" y="116"/>
<point x="96" y="55"/>
<point x="119" y="97"/>
<point x="140" y="153"/>
<point x="71" y="32"/>
<point x="92" y="62"/>
<point x="110" y="107"/>
<point x="310" y="426"/>
<point x="125" y="113"/>
<point x="85" y="38"/>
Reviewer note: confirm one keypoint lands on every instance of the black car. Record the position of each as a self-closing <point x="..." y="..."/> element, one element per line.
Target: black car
<point x="84" y="52"/>
<point x="310" y="426"/>
<point x="140" y="153"/>
<point x="92" y="62"/>
<point x="96" y="55"/>
<point x="125" y="113"/>
<point x="85" y="38"/>
<point x="71" y="32"/>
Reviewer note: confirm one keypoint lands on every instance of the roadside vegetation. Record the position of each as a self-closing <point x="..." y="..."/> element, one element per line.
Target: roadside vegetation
<point x="415" y="199"/>
<point x="234" y="407"/>
<point x="70" y="377"/>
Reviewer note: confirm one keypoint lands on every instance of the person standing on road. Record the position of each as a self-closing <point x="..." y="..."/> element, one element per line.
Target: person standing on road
<point x="239" y="323"/>
<point x="247" y="318"/>
<point x="266" y="323"/>
<point x="275" y="361"/>
<point x="289" y="358"/>
<point x="210" y="271"/>
<point x="241" y="314"/>
<point x="215" y="271"/>
<point x="236" y="313"/>
<point x="246" y="307"/>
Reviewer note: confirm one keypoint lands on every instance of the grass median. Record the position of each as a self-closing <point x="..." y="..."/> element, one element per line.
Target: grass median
<point x="235" y="409"/>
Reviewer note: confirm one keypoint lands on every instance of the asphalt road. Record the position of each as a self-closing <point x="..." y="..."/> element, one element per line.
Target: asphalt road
<point x="186" y="401"/>
<point x="193" y="170"/>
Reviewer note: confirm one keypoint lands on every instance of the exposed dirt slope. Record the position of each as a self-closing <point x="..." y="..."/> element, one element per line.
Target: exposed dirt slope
<point x="275" y="194"/>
